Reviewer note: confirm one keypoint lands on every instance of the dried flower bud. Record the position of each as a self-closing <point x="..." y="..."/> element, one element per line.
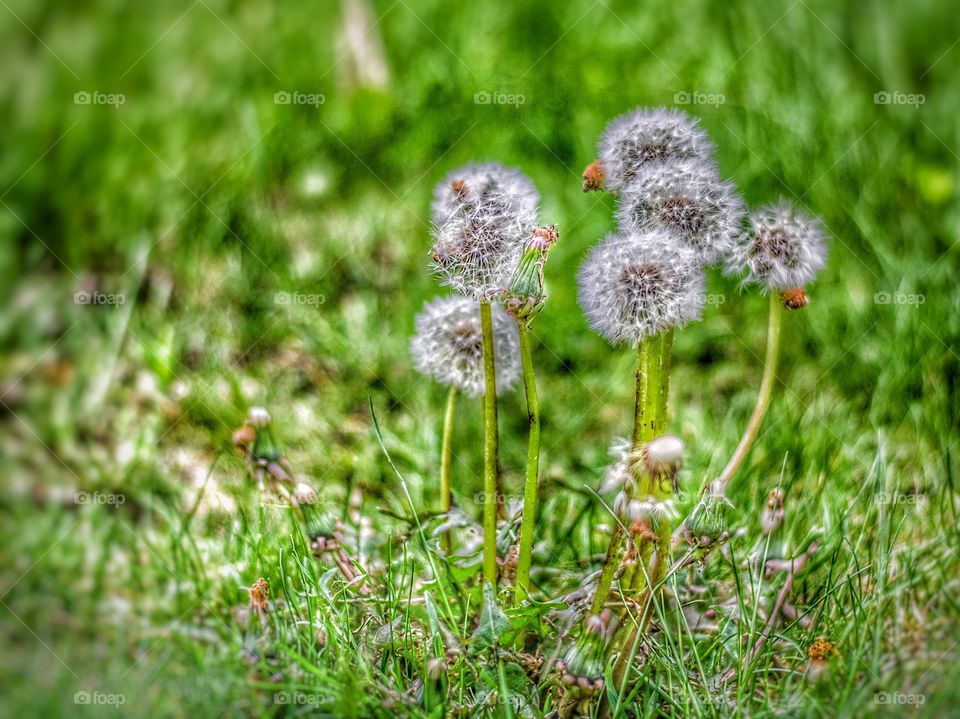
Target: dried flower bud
<point x="794" y="299"/>
<point x="593" y="176"/>
<point x="259" y="594"/>
<point x="710" y="519"/>
<point x="436" y="667"/>
<point x="525" y="295"/>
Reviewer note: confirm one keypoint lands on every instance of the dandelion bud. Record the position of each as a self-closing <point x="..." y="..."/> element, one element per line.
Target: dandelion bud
<point x="584" y="661"/>
<point x="593" y="176"/>
<point x="448" y="345"/>
<point x="481" y="215"/>
<point x="525" y="296"/>
<point x="710" y="519"/>
<point x="782" y="249"/>
<point x="794" y="299"/>
<point x="689" y="198"/>
<point x="265" y="446"/>
<point x="645" y="138"/>
<point x="633" y="286"/>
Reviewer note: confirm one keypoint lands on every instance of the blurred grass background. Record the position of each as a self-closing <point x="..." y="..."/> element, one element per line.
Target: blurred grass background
<point x="199" y="198"/>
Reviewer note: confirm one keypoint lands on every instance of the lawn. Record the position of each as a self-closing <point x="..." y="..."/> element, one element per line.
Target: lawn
<point x="209" y="206"/>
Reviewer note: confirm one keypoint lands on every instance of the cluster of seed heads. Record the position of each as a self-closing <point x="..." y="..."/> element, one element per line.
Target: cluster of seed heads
<point x="448" y="345"/>
<point x="482" y="213"/>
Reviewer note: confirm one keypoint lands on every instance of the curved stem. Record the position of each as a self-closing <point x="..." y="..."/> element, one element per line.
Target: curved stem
<point x="763" y="398"/>
<point x="533" y="467"/>
<point x="490" y="448"/>
<point x="446" y="461"/>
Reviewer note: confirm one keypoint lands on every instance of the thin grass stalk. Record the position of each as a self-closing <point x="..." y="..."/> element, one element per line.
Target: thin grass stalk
<point x="490" y="448"/>
<point x="528" y="521"/>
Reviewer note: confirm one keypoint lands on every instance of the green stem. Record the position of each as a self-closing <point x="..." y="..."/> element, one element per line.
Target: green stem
<point x="490" y="448"/>
<point x="446" y="461"/>
<point x="763" y="398"/>
<point x="533" y="467"/>
<point x="640" y="430"/>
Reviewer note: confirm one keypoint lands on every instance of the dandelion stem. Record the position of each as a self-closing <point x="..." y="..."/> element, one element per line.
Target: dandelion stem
<point x="763" y="398"/>
<point x="640" y="430"/>
<point x="490" y="448"/>
<point x="533" y="467"/>
<point x="446" y="457"/>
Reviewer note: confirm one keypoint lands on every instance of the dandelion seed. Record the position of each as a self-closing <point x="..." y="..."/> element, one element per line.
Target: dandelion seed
<point x="636" y="285"/>
<point x="482" y="213"/>
<point x="689" y="198"/>
<point x="448" y="345"/>
<point x="645" y="138"/>
<point x="782" y="249"/>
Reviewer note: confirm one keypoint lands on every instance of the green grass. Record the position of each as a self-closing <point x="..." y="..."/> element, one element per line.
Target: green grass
<point x="200" y="198"/>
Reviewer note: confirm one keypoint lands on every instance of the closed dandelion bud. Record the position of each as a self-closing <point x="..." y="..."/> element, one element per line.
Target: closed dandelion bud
<point x="448" y="345"/>
<point x="525" y="295"/>
<point x="585" y="661"/>
<point x="782" y="249"/>
<point x="688" y="198"/>
<point x="646" y="138"/>
<point x="710" y="519"/>
<point x="482" y="213"/>
<point x="635" y="285"/>
<point x="265" y="446"/>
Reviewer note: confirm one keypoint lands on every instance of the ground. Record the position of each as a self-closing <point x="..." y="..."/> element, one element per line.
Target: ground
<point x="212" y="205"/>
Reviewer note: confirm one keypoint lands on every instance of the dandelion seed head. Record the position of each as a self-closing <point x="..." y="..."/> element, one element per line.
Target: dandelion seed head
<point x="634" y="285"/>
<point x="448" y="345"/>
<point x="689" y="198"/>
<point x="482" y="213"/>
<point x="645" y="138"/>
<point x="663" y="455"/>
<point x="782" y="249"/>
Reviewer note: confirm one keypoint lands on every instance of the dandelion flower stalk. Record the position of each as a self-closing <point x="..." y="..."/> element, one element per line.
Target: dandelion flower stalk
<point x="782" y="250"/>
<point x="446" y="460"/>
<point x="763" y="396"/>
<point x="524" y="298"/>
<point x="491" y="447"/>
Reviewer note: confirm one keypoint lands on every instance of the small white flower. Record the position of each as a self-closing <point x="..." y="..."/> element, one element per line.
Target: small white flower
<point x="448" y="345"/>
<point x="782" y="249"/>
<point x="644" y="138"/>
<point x="635" y="285"/>
<point x="482" y="214"/>
<point x="689" y="198"/>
